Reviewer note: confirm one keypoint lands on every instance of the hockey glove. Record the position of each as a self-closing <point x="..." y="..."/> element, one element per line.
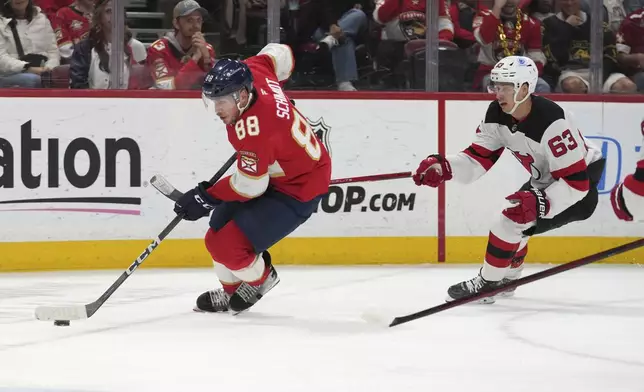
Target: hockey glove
<point x="196" y="203"/>
<point x="528" y="206"/>
<point x="618" y="203"/>
<point x="433" y="171"/>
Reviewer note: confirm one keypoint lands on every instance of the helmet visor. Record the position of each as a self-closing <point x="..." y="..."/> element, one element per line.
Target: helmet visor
<point x="500" y="88"/>
<point x="219" y="105"/>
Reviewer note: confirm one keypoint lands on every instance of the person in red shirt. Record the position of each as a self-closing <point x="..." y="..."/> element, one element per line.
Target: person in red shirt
<point x="504" y="31"/>
<point x="181" y="59"/>
<point x="50" y="7"/>
<point x="71" y="25"/>
<point x="405" y="20"/>
<point x="630" y="46"/>
<point x="282" y="173"/>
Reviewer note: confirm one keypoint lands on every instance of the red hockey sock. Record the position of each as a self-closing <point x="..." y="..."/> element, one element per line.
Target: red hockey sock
<point x="519" y="257"/>
<point x="499" y="253"/>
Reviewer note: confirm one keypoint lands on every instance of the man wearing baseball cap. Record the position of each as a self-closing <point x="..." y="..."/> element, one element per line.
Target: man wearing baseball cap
<point x="181" y="58"/>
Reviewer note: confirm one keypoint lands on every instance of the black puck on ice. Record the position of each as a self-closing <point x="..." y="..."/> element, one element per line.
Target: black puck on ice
<point x="61" y="323"/>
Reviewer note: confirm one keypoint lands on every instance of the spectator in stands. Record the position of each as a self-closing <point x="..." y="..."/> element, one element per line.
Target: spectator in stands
<point x="506" y="31"/>
<point x="614" y="14"/>
<point x="181" y="59"/>
<point x="630" y="46"/>
<point x="631" y="6"/>
<point x="334" y="25"/>
<point x="50" y="7"/>
<point x="401" y="22"/>
<point x="405" y="20"/>
<point x="71" y="25"/>
<point x="540" y="9"/>
<point x="90" y="61"/>
<point x="462" y="14"/>
<point x="566" y="42"/>
<point x="27" y="44"/>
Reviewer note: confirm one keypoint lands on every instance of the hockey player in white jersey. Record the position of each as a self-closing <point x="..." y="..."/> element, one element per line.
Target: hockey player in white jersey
<point x="627" y="197"/>
<point x="565" y="169"/>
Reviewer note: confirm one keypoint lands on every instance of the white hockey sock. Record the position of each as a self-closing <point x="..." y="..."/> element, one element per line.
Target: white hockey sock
<point x="226" y="276"/>
<point x="254" y="271"/>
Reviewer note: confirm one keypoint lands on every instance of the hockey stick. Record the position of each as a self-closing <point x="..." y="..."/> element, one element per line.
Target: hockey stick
<point x="373" y="177"/>
<point x="520" y="282"/>
<point x="79" y="312"/>
<point x="165" y="188"/>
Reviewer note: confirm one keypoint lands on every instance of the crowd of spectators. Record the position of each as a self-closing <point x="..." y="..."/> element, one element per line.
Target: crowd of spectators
<point x="346" y="45"/>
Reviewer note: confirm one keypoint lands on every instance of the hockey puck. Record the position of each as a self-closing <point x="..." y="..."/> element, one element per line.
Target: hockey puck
<point x="61" y="323"/>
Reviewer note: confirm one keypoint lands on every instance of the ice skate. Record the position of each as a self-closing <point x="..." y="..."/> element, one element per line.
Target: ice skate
<point x="247" y="295"/>
<point x="470" y="287"/>
<point x="513" y="274"/>
<point x="213" y="301"/>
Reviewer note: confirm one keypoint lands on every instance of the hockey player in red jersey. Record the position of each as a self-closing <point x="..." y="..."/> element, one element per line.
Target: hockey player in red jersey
<point x="565" y="169"/>
<point x="282" y="173"/>
<point x="627" y="198"/>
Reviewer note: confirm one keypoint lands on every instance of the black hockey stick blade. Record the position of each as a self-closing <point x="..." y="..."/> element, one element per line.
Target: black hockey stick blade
<point x="79" y="312"/>
<point x="165" y="188"/>
<point x="520" y="282"/>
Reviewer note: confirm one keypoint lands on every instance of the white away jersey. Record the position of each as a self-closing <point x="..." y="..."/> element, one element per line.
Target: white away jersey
<point x="547" y="143"/>
<point x="633" y="189"/>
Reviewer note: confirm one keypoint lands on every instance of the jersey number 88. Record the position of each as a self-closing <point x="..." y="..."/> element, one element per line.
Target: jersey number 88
<point x="300" y="130"/>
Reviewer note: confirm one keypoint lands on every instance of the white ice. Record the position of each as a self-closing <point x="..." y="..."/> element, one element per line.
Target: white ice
<point x="582" y="330"/>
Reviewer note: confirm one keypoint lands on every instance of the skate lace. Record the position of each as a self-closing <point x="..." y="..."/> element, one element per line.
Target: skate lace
<point x="246" y="292"/>
<point x="219" y="297"/>
<point x="474" y="284"/>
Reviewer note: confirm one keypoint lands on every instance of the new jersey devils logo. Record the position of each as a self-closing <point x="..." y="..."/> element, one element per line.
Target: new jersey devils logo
<point x="528" y="162"/>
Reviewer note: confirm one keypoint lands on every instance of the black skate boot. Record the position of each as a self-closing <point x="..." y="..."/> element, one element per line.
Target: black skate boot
<point x="516" y="268"/>
<point x="213" y="301"/>
<point x="470" y="287"/>
<point x="246" y="295"/>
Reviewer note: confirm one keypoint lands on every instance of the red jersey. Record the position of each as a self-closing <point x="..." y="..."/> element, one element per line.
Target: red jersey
<point x="630" y="38"/>
<point x="486" y="31"/>
<point x="174" y="69"/>
<point x="50" y="7"/>
<point x="459" y="32"/>
<point x="274" y="142"/>
<point x="395" y="11"/>
<point x="71" y="26"/>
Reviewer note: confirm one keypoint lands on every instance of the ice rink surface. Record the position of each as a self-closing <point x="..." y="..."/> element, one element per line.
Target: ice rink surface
<point x="582" y="330"/>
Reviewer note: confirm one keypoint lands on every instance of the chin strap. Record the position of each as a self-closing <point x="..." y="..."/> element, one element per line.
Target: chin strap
<point x="517" y="103"/>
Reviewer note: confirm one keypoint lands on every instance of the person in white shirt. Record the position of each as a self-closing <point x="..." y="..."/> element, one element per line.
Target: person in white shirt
<point x="24" y="59"/>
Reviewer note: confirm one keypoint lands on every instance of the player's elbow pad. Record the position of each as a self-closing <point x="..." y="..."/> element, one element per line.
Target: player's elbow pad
<point x="633" y="194"/>
<point x="567" y="191"/>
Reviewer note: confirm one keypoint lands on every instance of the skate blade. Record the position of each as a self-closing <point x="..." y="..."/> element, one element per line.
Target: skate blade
<point x="197" y="310"/>
<point x="482" y="301"/>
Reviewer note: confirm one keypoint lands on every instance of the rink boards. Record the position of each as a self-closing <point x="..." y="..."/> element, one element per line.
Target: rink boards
<point x="74" y="191"/>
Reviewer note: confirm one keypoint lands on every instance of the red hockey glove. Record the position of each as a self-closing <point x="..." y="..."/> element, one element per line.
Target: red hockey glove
<point x="529" y="205"/>
<point x="618" y="203"/>
<point x="433" y="171"/>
